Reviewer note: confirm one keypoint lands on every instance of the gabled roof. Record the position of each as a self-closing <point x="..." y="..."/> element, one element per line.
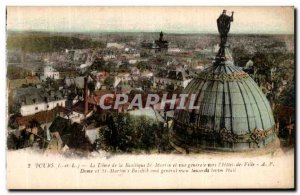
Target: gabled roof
<point x="17" y="83"/>
<point x="79" y="107"/>
<point x="33" y="95"/>
<point x="40" y="117"/>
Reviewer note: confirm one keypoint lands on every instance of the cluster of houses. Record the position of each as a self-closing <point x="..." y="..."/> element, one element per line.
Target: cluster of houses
<point x="58" y="113"/>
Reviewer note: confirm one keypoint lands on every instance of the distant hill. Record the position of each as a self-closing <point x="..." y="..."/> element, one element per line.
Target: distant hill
<point x="45" y="42"/>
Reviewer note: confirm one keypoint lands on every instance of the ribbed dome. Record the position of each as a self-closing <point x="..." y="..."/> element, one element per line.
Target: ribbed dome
<point x="233" y="112"/>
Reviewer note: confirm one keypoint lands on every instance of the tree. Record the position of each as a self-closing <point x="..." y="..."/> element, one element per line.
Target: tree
<point x="142" y="66"/>
<point x="127" y="133"/>
<point x="98" y="65"/>
<point x="274" y="68"/>
<point x="109" y="81"/>
<point x="170" y="87"/>
<point x="45" y="43"/>
<point x="241" y="56"/>
<point x="91" y="86"/>
<point x="110" y="67"/>
<point x="12" y="142"/>
<point x="288" y="95"/>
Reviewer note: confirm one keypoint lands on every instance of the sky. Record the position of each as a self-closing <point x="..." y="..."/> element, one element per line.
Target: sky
<point x="252" y="20"/>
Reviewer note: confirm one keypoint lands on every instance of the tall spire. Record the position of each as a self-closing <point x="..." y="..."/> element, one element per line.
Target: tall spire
<point x="223" y="23"/>
<point x="161" y="36"/>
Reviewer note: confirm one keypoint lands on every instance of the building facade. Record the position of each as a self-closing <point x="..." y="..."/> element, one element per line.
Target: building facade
<point x="50" y="72"/>
<point x="176" y="78"/>
<point x="31" y="109"/>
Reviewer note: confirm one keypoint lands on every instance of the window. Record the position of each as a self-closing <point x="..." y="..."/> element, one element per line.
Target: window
<point x="36" y="108"/>
<point x="47" y="106"/>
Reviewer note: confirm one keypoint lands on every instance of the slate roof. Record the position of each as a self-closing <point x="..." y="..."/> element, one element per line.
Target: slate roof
<point x="77" y="81"/>
<point x="33" y="95"/>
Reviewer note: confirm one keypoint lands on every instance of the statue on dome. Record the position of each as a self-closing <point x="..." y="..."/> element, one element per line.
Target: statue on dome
<point x="224" y="26"/>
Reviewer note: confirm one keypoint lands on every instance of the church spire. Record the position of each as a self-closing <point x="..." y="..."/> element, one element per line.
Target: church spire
<point x="161" y="36"/>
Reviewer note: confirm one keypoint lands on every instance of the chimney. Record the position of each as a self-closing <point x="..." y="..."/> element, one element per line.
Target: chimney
<point x="86" y="104"/>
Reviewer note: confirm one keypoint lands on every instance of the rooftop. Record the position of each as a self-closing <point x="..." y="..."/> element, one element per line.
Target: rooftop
<point x="180" y="75"/>
<point x="33" y="95"/>
<point x="40" y="117"/>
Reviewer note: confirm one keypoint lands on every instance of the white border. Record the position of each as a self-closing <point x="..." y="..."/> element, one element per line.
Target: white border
<point x="4" y="3"/>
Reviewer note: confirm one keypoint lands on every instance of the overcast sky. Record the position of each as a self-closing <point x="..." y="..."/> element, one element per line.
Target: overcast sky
<point x="262" y="20"/>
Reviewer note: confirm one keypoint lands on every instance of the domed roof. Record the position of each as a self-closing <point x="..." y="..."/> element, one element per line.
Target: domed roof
<point x="232" y="108"/>
<point x="233" y="111"/>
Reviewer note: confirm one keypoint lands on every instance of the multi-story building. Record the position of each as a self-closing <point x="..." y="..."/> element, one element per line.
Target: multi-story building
<point x="177" y="78"/>
<point x="31" y="100"/>
<point x="50" y="72"/>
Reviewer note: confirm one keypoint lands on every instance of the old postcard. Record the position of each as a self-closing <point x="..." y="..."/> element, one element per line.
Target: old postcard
<point x="150" y="98"/>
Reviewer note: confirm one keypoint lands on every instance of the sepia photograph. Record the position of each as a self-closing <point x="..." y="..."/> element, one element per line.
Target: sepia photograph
<point x="130" y="97"/>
